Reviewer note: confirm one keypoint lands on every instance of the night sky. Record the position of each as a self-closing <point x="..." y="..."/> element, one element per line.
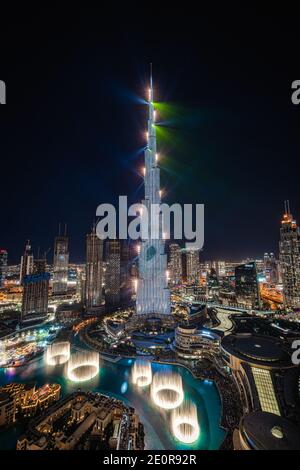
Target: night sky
<point x="72" y="131"/>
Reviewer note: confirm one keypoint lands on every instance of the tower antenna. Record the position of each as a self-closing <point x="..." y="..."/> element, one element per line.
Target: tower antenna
<point x="288" y="207"/>
<point x="151" y="85"/>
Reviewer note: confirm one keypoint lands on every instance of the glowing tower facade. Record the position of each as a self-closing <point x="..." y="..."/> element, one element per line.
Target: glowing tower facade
<point x="153" y="296"/>
<point x="94" y="271"/>
<point x="61" y="264"/>
<point x="289" y="254"/>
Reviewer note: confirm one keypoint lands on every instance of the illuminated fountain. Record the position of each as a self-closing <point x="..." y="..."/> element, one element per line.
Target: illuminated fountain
<point x="58" y="353"/>
<point x="142" y="373"/>
<point x="184" y="422"/>
<point x="3" y="354"/>
<point x="167" y="390"/>
<point x="83" y="366"/>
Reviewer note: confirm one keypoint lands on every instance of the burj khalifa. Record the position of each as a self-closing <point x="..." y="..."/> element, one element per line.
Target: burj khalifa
<point x="153" y="295"/>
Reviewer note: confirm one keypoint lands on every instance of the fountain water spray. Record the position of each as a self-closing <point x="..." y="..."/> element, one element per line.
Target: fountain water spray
<point x="167" y="390"/>
<point x="141" y="373"/>
<point x="58" y="353"/>
<point x="83" y="366"/>
<point x="184" y="422"/>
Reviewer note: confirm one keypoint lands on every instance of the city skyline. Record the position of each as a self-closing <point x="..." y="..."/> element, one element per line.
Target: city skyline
<point x="219" y="149"/>
<point x="122" y="326"/>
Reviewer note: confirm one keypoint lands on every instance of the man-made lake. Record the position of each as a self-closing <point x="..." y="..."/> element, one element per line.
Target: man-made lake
<point x="115" y="379"/>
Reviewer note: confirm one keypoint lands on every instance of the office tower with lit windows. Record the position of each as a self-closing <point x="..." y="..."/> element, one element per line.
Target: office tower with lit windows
<point x="212" y="280"/>
<point x="60" y="264"/>
<point x="247" y="286"/>
<point x="35" y="293"/>
<point x="153" y="295"/>
<point x="175" y="264"/>
<point x="113" y="273"/>
<point x="3" y="266"/>
<point x="221" y="268"/>
<point x="192" y="265"/>
<point x="289" y="256"/>
<point x="26" y="265"/>
<point x="270" y="268"/>
<point x="126" y="280"/>
<point x="94" y="271"/>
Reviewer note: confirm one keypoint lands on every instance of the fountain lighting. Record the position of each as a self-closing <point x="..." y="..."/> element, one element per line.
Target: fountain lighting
<point x="58" y="353"/>
<point x="184" y="422"/>
<point x="141" y="373"/>
<point x="83" y="366"/>
<point x="167" y="390"/>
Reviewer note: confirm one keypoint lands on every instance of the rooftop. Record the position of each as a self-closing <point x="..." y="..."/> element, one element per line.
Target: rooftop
<point x="267" y="431"/>
<point x="257" y="349"/>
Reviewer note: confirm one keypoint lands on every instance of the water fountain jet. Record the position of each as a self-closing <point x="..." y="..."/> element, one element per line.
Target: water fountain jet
<point x="184" y="422"/>
<point x="58" y="353"/>
<point x="83" y="366"/>
<point x="142" y="373"/>
<point x="167" y="390"/>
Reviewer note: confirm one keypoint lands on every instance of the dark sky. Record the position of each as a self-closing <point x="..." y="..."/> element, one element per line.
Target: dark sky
<point x="73" y="125"/>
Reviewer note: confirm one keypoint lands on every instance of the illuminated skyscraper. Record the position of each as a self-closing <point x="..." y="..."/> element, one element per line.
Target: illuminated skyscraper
<point x="60" y="264"/>
<point x="26" y="266"/>
<point x="289" y="255"/>
<point x="270" y="268"/>
<point x="192" y="266"/>
<point x="35" y="293"/>
<point x="153" y="296"/>
<point x="3" y="267"/>
<point x="247" y="286"/>
<point x="175" y="264"/>
<point x="221" y="268"/>
<point x="126" y="280"/>
<point x="113" y="273"/>
<point x="94" y="271"/>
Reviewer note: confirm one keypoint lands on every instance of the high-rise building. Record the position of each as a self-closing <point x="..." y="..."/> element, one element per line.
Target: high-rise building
<point x="126" y="280"/>
<point x="3" y="266"/>
<point x="26" y="266"/>
<point x="221" y="268"/>
<point x="94" y="271"/>
<point x="60" y="264"/>
<point x="153" y="295"/>
<point x="175" y="264"/>
<point x="247" y="286"/>
<point x="212" y="280"/>
<point x="192" y="266"/>
<point x="113" y="273"/>
<point x="289" y="255"/>
<point x="270" y="268"/>
<point x="35" y="293"/>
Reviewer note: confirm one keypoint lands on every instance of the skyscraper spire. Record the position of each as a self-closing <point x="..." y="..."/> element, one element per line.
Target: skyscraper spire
<point x="153" y="296"/>
<point x="151" y="83"/>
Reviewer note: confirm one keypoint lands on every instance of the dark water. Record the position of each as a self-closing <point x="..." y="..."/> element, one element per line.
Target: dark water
<point x="114" y="380"/>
